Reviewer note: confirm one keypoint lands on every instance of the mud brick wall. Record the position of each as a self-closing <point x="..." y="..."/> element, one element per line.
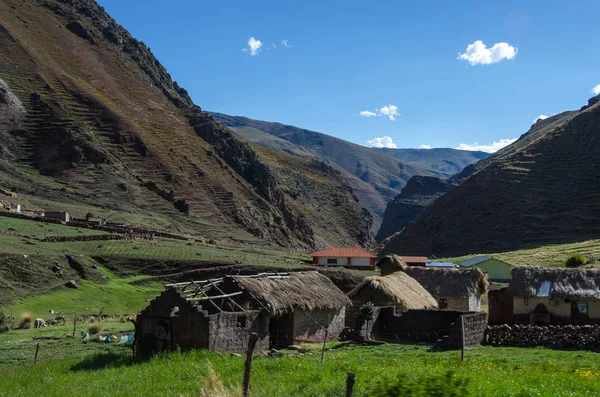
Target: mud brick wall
<point x="230" y="332"/>
<point x="439" y="326"/>
<point x="584" y="337"/>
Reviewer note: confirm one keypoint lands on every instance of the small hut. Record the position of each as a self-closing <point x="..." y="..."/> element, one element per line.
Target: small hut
<point x="557" y="296"/>
<point x="219" y="314"/>
<point x="454" y="289"/>
<point x="393" y="290"/>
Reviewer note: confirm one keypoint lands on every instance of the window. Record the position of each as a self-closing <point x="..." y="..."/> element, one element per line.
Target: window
<point x="332" y="261"/>
<point x="443" y="304"/>
<point x="241" y="321"/>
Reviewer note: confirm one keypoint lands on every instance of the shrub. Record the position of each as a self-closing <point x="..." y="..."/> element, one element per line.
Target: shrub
<point x="446" y="385"/>
<point x="94" y="329"/>
<point x="3" y="323"/>
<point x="576" y="261"/>
<point x="26" y="321"/>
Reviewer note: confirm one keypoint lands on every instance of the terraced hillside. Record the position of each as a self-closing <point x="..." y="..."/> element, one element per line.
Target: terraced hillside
<point x="545" y="192"/>
<point x="97" y="124"/>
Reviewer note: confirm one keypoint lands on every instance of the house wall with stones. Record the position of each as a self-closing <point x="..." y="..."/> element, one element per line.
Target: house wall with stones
<point x="230" y="332"/>
<point x="470" y="304"/>
<point x="310" y="326"/>
<point x="560" y="310"/>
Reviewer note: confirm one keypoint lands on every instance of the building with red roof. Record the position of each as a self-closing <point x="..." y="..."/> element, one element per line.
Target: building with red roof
<point x="353" y="258"/>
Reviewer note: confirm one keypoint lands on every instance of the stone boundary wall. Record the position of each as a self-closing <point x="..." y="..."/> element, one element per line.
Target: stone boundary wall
<point x="579" y="337"/>
<point x="29" y="218"/>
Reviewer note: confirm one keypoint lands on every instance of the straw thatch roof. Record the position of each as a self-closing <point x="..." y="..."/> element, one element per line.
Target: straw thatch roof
<point x="400" y="288"/>
<point x="390" y="264"/>
<point x="457" y="283"/>
<point x="530" y="281"/>
<point x="303" y="290"/>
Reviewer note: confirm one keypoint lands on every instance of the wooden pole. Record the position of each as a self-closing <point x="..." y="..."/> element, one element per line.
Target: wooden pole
<point x="37" y="349"/>
<point x="462" y="338"/>
<point x="74" y="325"/>
<point x="323" y="350"/>
<point x="248" y="364"/>
<point x="350" y="383"/>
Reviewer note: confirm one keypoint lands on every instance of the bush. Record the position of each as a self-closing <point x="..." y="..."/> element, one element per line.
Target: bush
<point x="26" y="321"/>
<point x="94" y="329"/>
<point x="576" y="261"/>
<point x="3" y="323"/>
<point x="447" y="385"/>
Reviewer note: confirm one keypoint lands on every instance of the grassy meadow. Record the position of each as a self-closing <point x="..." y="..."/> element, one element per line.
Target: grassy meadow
<point x="110" y="370"/>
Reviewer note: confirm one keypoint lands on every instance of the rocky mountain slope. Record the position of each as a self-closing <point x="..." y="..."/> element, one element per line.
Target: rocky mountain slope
<point x="546" y="191"/>
<point x="419" y="192"/>
<point x="376" y="175"/>
<point x="91" y="121"/>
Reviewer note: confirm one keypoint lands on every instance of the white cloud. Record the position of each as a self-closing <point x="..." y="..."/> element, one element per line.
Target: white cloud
<point x="391" y="111"/>
<point x="596" y="90"/>
<point x="367" y="113"/>
<point x="540" y="117"/>
<point x="494" y="147"/>
<point x="285" y="44"/>
<point x="425" y="147"/>
<point x="478" y="54"/>
<point x="384" y="141"/>
<point x="254" y="46"/>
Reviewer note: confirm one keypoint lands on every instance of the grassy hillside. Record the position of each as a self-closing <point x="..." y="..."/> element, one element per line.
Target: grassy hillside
<point x="544" y="193"/>
<point x="92" y="122"/>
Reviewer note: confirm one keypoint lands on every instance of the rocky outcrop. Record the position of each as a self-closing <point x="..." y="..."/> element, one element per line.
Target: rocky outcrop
<point x="419" y="192"/>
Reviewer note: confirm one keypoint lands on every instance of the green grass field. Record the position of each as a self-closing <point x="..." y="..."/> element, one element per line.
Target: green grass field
<point x="109" y="370"/>
<point x="548" y="255"/>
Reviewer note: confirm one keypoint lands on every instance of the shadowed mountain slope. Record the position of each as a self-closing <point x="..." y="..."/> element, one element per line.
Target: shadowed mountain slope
<point x="547" y="191"/>
<point x="92" y="121"/>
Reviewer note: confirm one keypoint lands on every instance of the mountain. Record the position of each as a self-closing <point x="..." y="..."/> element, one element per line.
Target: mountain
<point x="419" y="192"/>
<point x="90" y="121"/>
<point x="376" y="175"/>
<point x="543" y="190"/>
<point x="442" y="162"/>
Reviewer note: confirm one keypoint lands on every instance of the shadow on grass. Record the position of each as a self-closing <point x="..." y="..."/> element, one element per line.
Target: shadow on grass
<point x="107" y="360"/>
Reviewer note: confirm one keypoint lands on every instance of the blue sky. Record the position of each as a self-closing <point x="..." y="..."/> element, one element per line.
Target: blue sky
<point x="383" y="57"/>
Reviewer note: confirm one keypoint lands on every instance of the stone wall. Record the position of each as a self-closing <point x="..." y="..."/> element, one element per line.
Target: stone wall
<point x="585" y="337"/>
<point x="99" y="237"/>
<point x="230" y="332"/>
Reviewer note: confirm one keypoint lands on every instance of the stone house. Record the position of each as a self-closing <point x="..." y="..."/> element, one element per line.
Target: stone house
<point x="453" y="289"/>
<point x="554" y="296"/>
<point x="58" y="215"/>
<point x="220" y="314"/>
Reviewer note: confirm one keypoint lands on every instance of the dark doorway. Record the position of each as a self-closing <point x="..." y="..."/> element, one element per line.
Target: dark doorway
<point x="540" y="316"/>
<point x="281" y="330"/>
<point x="500" y="307"/>
<point x="579" y="313"/>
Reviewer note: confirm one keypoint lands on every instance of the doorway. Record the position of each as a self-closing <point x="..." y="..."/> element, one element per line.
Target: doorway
<point x="281" y="330"/>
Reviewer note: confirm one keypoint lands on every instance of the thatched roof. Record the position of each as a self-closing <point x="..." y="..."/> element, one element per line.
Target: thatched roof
<point x="401" y="289"/>
<point x="457" y="283"/>
<point x="390" y="264"/>
<point x="303" y="290"/>
<point x="530" y="281"/>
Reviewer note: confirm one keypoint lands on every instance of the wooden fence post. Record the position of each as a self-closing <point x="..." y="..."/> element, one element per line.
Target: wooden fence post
<point x="323" y="350"/>
<point x="462" y="338"/>
<point x="74" y="326"/>
<point x="37" y="349"/>
<point x="350" y="383"/>
<point x="248" y="365"/>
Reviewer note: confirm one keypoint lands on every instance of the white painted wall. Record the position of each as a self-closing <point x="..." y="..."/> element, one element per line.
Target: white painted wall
<point x="343" y="261"/>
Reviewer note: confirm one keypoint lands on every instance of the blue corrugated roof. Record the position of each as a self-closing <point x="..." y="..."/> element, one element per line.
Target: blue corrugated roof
<point x="439" y="264"/>
<point x="474" y="261"/>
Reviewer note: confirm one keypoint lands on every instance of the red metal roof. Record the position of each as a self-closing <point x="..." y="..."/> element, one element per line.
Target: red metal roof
<point x="344" y="252"/>
<point x="415" y="259"/>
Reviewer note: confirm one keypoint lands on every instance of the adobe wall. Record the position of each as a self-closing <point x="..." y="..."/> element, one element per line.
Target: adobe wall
<point x="585" y="337"/>
<point x="440" y="326"/>
<point x="230" y="332"/>
<point x="460" y="304"/>
<point x="308" y="326"/>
